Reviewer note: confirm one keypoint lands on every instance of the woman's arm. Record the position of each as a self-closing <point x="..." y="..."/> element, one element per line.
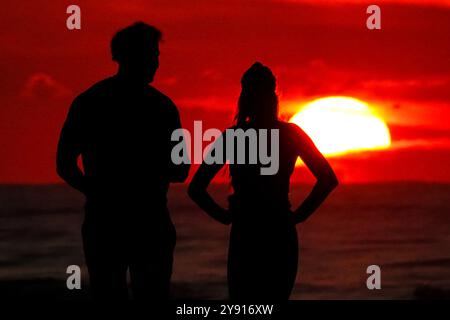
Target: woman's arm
<point x="198" y="192"/>
<point x="322" y="171"/>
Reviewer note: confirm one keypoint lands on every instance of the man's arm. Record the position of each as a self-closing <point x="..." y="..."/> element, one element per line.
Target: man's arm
<point x="180" y="172"/>
<point x="69" y="149"/>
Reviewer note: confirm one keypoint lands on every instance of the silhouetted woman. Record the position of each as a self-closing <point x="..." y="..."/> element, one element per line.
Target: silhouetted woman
<point x="263" y="251"/>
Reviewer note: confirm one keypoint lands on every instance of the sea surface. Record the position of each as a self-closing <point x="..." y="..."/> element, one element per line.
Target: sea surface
<point x="404" y="228"/>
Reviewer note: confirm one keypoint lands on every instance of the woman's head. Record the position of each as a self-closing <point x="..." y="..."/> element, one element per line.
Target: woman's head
<point x="258" y="101"/>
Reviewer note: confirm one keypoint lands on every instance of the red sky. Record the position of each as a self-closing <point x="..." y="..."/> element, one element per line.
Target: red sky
<point x="315" y="48"/>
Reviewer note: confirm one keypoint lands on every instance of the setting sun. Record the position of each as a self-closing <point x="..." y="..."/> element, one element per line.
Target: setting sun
<point x="339" y="125"/>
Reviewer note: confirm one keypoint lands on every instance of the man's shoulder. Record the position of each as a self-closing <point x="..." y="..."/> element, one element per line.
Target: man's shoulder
<point x="98" y="88"/>
<point x="93" y="93"/>
<point x="164" y="99"/>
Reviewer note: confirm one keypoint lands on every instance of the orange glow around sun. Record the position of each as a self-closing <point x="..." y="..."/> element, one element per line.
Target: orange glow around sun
<point x="340" y="125"/>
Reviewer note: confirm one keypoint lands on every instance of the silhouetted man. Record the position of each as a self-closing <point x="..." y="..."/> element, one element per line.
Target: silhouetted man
<point x="122" y="127"/>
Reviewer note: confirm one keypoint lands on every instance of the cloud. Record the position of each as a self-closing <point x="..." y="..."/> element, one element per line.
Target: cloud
<point x="405" y="84"/>
<point x="42" y="86"/>
<point x="207" y="102"/>
<point x="443" y="3"/>
<point x="422" y="144"/>
<point x="169" y="81"/>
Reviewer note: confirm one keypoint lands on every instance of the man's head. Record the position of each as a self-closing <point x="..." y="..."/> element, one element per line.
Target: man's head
<point x="136" y="50"/>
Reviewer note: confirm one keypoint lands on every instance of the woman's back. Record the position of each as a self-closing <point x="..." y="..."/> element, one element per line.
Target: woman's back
<point x="254" y="190"/>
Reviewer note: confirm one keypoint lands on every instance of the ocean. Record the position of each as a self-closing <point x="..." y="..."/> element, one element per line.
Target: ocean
<point x="404" y="228"/>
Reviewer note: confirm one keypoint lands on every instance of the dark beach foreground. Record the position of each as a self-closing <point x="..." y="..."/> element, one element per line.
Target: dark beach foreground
<point x="402" y="227"/>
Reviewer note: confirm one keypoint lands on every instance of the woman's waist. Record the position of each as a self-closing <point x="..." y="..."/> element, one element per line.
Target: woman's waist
<point x="258" y="202"/>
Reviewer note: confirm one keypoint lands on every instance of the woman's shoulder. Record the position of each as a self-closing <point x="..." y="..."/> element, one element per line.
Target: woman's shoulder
<point x="281" y="125"/>
<point x="293" y="131"/>
<point x="237" y="127"/>
<point x="289" y="126"/>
